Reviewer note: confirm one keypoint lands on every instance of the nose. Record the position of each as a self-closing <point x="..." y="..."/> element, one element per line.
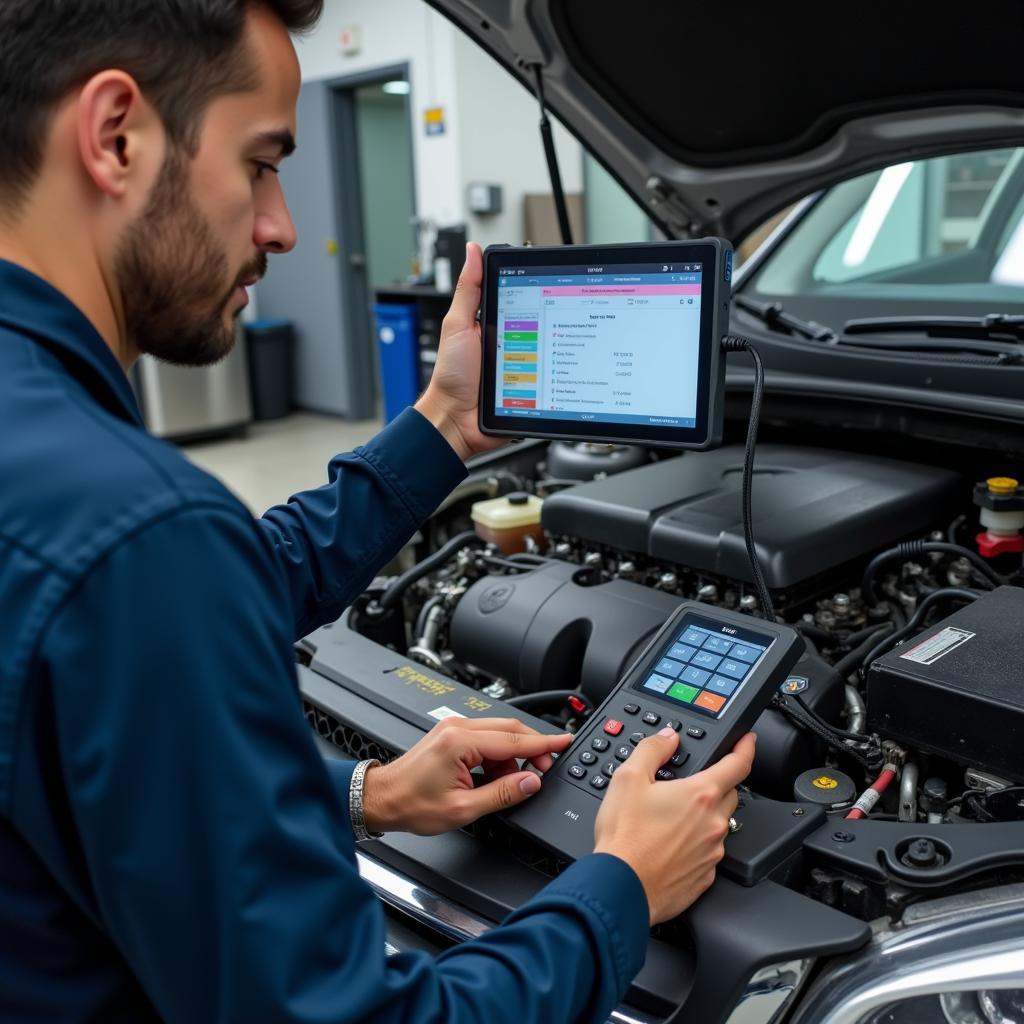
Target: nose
<point x="273" y="228"/>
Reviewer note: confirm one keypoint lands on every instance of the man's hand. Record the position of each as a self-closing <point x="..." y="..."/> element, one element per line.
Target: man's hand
<point x="430" y="790"/>
<point x="451" y="399"/>
<point x="671" y="833"/>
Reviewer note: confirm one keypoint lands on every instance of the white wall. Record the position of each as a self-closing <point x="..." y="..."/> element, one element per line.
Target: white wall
<point x="500" y="143"/>
<point x="399" y="32"/>
<point x="491" y="131"/>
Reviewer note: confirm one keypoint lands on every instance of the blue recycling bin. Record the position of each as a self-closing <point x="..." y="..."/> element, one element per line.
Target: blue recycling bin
<point x="399" y="360"/>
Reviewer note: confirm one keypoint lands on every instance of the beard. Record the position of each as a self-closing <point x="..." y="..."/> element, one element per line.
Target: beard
<point x="175" y="279"/>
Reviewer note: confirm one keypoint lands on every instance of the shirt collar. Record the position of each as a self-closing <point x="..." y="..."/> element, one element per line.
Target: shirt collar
<point x="35" y="309"/>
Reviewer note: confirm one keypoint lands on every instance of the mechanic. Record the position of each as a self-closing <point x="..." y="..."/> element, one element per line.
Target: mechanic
<point x="172" y="845"/>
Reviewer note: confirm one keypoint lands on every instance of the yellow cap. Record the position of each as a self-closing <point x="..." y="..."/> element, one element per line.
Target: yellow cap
<point x="1001" y="485"/>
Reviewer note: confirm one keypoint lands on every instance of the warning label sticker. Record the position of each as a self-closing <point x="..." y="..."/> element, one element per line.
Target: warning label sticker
<point x="929" y="651"/>
<point x="443" y="712"/>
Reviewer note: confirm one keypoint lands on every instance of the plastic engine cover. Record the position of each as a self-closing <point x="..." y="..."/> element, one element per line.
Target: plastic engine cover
<point x="813" y="509"/>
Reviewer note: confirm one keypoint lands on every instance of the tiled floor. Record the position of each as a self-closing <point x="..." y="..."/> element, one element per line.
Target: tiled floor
<point x="279" y="457"/>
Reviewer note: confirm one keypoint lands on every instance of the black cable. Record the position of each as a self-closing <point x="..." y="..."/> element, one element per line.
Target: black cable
<point x="851" y="661"/>
<point x="916" y="548"/>
<point x="401" y="584"/>
<point x="827" y="734"/>
<point x="733" y="343"/>
<point x="857" y="737"/>
<point x="946" y="593"/>
<point x="552" y="158"/>
<point x="528" y="700"/>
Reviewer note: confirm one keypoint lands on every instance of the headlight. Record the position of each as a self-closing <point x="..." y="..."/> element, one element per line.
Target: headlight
<point x="958" y="960"/>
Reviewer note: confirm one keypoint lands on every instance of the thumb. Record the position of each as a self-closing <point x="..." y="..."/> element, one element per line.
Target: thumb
<point x="466" y="301"/>
<point x="502" y="793"/>
<point x="654" y="751"/>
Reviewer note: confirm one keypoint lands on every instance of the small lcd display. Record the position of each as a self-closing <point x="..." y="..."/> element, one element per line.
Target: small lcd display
<point x="705" y="665"/>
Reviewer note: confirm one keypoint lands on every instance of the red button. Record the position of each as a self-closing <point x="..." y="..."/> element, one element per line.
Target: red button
<point x="577" y="705"/>
<point x="612" y="727"/>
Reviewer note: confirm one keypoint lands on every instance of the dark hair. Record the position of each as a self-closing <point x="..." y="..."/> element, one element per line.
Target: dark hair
<point x="182" y="53"/>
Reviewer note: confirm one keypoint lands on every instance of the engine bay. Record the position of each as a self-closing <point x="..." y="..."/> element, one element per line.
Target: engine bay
<point x="532" y="589"/>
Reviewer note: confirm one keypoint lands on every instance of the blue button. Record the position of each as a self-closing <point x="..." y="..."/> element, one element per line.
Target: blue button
<point x="726" y="687"/>
<point x="718" y="644"/>
<point x="695" y="676"/>
<point x="668" y="667"/>
<point x="746" y="652"/>
<point x="658" y="683"/>
<point x="736" y="669"/>
<point x="705" y="659"/>
<point x="694" y="637"/>
<point x="681" y="652"/>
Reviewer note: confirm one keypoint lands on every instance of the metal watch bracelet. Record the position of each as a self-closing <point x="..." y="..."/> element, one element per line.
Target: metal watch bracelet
<point x="355" y="802"/>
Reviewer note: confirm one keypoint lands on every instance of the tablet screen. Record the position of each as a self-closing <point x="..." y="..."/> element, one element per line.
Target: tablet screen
<point x="619" y="343"/>
<point x="615" y="343"/>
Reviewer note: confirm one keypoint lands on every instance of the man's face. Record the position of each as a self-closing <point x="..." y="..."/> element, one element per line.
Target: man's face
<point x="183" y="264"/>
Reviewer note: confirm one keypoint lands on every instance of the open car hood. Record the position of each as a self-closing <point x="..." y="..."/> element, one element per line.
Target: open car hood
<point x="715" y="116"/>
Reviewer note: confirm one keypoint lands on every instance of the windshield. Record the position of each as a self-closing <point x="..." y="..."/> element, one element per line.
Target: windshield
<point x="926" y="237"/>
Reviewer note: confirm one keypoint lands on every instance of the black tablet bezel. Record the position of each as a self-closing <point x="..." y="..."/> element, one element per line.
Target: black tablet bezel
<point x="716" y="256"/>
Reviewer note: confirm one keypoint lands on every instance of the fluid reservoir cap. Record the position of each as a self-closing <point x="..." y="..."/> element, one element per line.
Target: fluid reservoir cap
<point x="825" y="787"/>
<point x="510" y="512"/>
<point x="1002" y="485"/>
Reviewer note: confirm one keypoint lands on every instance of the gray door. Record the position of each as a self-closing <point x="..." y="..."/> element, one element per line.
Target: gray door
<point x="350" y="190"/>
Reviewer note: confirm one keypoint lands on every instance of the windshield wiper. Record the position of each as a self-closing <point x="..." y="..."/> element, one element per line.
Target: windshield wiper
<point x="993" y="327"/>
<point x="774" y="316"/>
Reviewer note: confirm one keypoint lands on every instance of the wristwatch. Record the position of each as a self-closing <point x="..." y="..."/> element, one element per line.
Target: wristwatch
<point x="355" y="801"/>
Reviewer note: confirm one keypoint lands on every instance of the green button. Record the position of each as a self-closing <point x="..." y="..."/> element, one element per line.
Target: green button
<point x="521" y="335"/>
<point x="683" y="692"/>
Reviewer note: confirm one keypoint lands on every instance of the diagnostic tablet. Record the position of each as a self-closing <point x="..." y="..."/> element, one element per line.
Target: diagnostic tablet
<point x="612" y="343"/>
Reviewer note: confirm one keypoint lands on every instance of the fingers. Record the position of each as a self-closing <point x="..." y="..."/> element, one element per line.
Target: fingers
<point x="504" y="744"/>
<point x="511" y="728"/>
<point x="653" y="752"/>
<point x="735" y="767"/>
<point x="466" y="300"/>
<point x="498" y="795"/>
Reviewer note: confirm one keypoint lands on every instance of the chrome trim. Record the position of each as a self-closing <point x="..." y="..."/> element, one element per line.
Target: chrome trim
<point x="444" y="916"/>
<point x="424" y="905"/>
<point x="769" y="992"/>
<point x="968" y="946"/>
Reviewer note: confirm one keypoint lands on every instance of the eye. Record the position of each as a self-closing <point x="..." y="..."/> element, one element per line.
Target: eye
<point x="262" y="167"/>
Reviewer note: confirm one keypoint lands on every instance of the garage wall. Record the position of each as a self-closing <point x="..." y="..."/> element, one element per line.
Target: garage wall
<point x="499" y="142"/>
<point x="398" y="32"/>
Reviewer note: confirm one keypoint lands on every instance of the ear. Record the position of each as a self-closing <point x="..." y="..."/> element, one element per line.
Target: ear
<point x="117" y="132"/>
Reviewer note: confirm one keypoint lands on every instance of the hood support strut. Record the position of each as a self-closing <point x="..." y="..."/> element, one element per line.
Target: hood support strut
<point x="552" y="158"/>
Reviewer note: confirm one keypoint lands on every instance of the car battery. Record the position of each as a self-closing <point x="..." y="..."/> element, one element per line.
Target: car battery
<point x="957" y="689"/>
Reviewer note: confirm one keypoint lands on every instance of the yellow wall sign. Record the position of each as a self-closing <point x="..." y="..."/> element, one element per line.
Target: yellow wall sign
<point x="433" y="120"/>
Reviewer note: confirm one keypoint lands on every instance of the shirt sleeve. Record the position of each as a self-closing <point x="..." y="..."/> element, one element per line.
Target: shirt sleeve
<point x="332" y="540"/>
<point x="219" y="861"/>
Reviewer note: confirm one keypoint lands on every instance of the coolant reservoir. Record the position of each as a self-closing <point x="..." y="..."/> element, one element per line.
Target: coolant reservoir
<point x="508" y="521"/>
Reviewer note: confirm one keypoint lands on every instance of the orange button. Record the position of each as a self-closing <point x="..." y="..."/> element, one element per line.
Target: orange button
<point x="612" y="727"/>
<point x="710" y="702"/>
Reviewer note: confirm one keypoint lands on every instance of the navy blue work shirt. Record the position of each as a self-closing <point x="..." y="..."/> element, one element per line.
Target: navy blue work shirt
<point x="172" y="846"/>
